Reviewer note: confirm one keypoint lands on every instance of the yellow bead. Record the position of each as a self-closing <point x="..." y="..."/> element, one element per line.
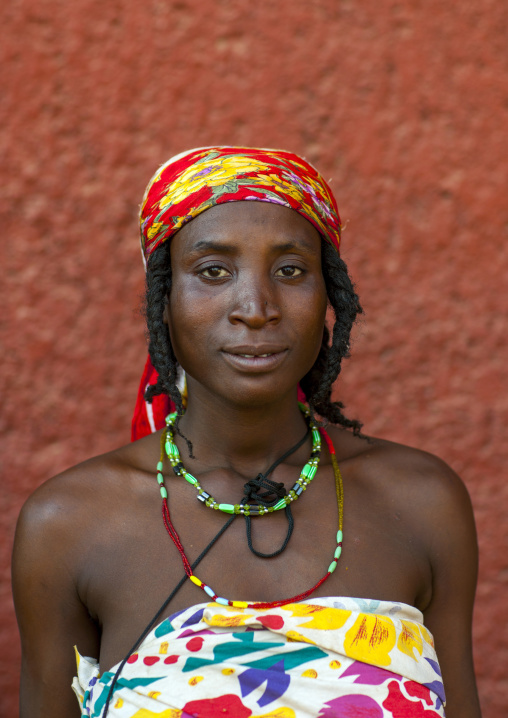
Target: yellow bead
<point x="240" y="604"/>
<point x="196" y="580"/>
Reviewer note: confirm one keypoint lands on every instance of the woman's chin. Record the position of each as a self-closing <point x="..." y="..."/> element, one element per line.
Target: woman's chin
<point x="251" y="393"/>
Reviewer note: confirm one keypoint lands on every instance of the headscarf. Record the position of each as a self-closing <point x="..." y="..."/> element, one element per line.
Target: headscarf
<point x="199" y="179"/>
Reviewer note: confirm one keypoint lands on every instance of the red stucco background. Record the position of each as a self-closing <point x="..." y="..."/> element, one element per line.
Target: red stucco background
<point x="403" y="104"/>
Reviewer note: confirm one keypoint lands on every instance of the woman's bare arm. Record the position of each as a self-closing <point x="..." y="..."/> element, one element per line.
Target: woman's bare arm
<point x="453" y="552"/>
<point x="51" y="616"/>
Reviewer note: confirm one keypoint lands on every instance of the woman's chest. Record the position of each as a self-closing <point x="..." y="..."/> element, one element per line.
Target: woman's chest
<point x="135" y="574"/>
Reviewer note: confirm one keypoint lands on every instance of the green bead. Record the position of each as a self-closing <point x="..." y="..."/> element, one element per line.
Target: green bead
<point x="160" y="466"/>
<point x="332" y="567"/>
<point x="190" y="478"/>
<point x="227" y="508"/>
<point x="160" y="478"/>
<point x="279" y="505"/>
<point x="338" y="552"/>
<point x="339" y="536"/>
<point x="164" y="493"/>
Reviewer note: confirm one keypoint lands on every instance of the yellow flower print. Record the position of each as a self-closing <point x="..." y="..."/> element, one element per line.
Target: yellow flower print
<point x="170" y="713"/>
<point x="154" y="229"/>
<point x="226" y="168"/>
<point x="229" y="168"/>
<point x="371" y="639"/>
<point x="427" y="637"/>
<point x="321" y="618"/>
<point x="219" y="620"/>
<point x="287" y="187"/>
<point x="409" y="639"/>
<point x="309" y="673"/>
<point x="282" y="712"/>
<point x="295" y="637"/>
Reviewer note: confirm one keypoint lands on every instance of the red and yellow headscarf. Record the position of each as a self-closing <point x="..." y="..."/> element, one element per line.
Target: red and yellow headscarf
<point x="195" y="181"/>
<point x="191" y="183"/>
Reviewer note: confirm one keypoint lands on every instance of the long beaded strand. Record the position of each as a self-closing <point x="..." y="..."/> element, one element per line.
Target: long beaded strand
<point x="245" y="604"/>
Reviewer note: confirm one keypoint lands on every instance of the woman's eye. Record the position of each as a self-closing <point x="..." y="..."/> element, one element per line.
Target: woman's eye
<point x="215" y="272"/>
<point x="289" y="271"/>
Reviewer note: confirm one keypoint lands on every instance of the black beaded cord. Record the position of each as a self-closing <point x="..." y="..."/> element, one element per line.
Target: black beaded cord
<point x="261" y="481"/>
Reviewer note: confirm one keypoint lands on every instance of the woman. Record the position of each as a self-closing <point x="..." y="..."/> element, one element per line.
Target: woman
<point x="285" y="615"/>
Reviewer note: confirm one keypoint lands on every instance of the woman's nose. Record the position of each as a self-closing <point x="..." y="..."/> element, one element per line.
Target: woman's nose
<point x="254" y="304"/>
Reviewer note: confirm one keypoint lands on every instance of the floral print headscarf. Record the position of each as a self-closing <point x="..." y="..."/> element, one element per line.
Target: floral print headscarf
<point x="194" y="181"/>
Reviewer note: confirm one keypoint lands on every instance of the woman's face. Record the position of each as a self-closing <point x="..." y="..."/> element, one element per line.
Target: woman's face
<point x="248" y="301"/>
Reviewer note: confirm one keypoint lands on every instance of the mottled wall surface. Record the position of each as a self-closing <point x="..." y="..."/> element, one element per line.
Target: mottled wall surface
<point x="403" y="104"/>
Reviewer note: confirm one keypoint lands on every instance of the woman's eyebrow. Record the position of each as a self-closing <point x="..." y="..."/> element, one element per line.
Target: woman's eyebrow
<point x="297" y="245"/>
<point x="210" y="245"/>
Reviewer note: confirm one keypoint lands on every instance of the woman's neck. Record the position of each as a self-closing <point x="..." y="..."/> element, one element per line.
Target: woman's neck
<point x="245" y="439"/>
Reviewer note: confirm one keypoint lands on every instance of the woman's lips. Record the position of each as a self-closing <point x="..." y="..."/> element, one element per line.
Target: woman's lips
<point x="261" y="362"/>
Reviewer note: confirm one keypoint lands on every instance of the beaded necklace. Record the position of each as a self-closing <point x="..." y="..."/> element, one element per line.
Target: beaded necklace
<point x="307" y="474"/>
<point x="245" y="604"/>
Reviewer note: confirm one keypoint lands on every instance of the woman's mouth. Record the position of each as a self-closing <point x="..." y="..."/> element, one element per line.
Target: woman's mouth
<point x="255" y="360"/>
<point x="251" y="356"/>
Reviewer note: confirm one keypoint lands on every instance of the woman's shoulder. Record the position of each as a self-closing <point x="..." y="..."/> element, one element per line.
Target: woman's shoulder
<point x="83" y="496"/>
<point x="404" y="475"/>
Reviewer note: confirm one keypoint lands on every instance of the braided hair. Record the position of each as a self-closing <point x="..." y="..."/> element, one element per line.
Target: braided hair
<point x="316" y="384"/>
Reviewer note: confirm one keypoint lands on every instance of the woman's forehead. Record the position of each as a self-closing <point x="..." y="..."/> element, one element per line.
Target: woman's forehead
<point x="248" y="223"/>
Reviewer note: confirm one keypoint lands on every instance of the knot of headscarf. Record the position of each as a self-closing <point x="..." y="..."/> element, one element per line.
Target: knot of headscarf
<point x="199" y="179"/>
<point x="191" y="183"/>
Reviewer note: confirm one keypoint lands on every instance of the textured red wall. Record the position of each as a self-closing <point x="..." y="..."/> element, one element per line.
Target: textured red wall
<point x="403" y="104"/>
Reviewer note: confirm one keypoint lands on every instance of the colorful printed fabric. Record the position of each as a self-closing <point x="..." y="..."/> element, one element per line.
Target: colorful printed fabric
<point x="327" y="659"/>
<point x="191" y="183"/>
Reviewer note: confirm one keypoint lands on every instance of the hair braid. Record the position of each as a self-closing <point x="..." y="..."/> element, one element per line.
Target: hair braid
<point x="317" y="384"/>
<point x="158" y="286"/>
